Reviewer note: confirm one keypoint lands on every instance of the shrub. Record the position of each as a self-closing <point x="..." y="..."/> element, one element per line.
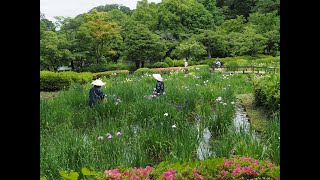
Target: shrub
<point x="267" y="91"/>
<point x="51" y="81"/>
<point x="214" y="168"/>
<point x="159" y="65"/>
<point x="169" y="61"/>
<point x="143" y="71"/>
<point x="178" y="63"/>
<point x="76" y="77"/>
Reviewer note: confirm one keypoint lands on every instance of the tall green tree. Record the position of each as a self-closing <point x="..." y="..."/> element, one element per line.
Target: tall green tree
<point x="266" y="6"/>
<point x="141" y="46"/>
<point x="104" y="38"/>
<point x="54" y="51"/>
<point x="183" y="16"/>
<point x="268" y="25"/>
<point x="213" y="42"/>
<point x="216" y="12"/>
<point x="251" y="43"/>
<point x="190" y="49"/>
<point x="234" y="8"/>
<point x="146" y="13"/>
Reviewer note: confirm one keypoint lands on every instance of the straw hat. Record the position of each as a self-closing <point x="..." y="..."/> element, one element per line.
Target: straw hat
<point x="98" y="82"/>
<point x="157" y="77"/>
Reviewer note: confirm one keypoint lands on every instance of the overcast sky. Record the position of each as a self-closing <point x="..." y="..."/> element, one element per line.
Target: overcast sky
<point x="72" y="8"/>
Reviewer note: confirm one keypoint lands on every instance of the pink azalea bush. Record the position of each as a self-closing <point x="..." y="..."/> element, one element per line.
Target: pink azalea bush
<point x="215" y="168"/>
<point x="131" y="173"/>
<point x="247" y="168"/>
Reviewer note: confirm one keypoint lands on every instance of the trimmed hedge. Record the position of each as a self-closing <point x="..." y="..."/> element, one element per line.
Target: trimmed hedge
<point x="178" y="63"/>
<point x="53" y="81"/>
<point x="143" y="71"/>
<point x="159" y="65"/>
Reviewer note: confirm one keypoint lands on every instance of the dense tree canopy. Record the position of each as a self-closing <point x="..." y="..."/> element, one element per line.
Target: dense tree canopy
<point x="190" y="29"/>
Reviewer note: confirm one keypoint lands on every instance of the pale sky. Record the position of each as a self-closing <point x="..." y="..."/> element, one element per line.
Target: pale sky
<point x="72" y="8"/>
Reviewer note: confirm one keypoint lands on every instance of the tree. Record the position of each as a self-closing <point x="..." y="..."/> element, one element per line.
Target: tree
<point x="146" y="13"/>
<point x="213" y="42"/>
<point x="211" y="6"/>
<point x="104" y="37"/>
<point x="183" y="16"/>
<point x="268" y="25"/>
<point x="54" y="51"/>
<point x="190" y="49"/>
<point x="234" y="8"/>
<point x="141" y="45"/>
<point x="233" y="25"/>
<point x="264" y="22"/>
<point x="266" y="6"/>
<point x="251" y="42"/>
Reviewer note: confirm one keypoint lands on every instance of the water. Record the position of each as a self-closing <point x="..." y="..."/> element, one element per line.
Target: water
<point x="241" y="123"/>
<point x="241" y="120"/>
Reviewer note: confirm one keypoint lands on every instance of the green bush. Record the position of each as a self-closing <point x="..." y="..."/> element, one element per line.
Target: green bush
<point x="76" y="77"/>
<point x="55" y="81"/>
<point x="168" y="60"/>
<point x="118" y="66"/>
<point x="178" y="63"/>
<point x="51" y="81"/>
<point x="143" y="71"/>
<point x="267" y="91"/>
<point x="159" y="65"/>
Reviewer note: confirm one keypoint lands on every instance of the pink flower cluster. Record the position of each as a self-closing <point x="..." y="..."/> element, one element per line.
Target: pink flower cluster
<point x="244" y="167"/>
<point x="169" y="174"/>
<point x="196" y="175"/>
<point x="134" y="174"/>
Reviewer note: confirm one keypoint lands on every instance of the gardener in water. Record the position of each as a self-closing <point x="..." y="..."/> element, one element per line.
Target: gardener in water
<point x="159" y="90"/>
<point x="95" y="93"/>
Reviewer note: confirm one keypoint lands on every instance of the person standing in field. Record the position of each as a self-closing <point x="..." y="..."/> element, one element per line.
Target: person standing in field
<point x="185" y="63"/>
<point x="95" y="93"/>
<point x="159" y="90"/>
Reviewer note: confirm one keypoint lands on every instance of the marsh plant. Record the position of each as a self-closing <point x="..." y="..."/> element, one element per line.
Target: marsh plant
<point x="130" y="129"/>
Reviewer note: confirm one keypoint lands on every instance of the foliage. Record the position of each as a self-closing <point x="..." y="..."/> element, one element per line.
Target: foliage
<point x="159" y="65"/>
<point x="51" y="81"/>
<point x="143" y="71"/>
<point x="215" y="168"/>
<point x="267" y="91"/>
<point x="142" y="45"/>
<point x="168" y="60"/>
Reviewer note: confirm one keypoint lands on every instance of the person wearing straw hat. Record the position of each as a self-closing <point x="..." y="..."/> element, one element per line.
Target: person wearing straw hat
<point x="159" y="90"/>
<point x="95" y="93"/>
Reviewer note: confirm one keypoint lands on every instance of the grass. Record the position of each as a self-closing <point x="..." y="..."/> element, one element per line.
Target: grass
<point x="70" y="128"/>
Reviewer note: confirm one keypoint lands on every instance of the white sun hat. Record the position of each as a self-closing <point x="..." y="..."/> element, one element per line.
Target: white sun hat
<point x="98" y="82"/>
<point x="157" y="77"/>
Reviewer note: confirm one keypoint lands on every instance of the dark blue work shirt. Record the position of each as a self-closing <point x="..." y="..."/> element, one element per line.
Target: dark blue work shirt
<point x="95" y="94"/>
<point x="160" y="87"/>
